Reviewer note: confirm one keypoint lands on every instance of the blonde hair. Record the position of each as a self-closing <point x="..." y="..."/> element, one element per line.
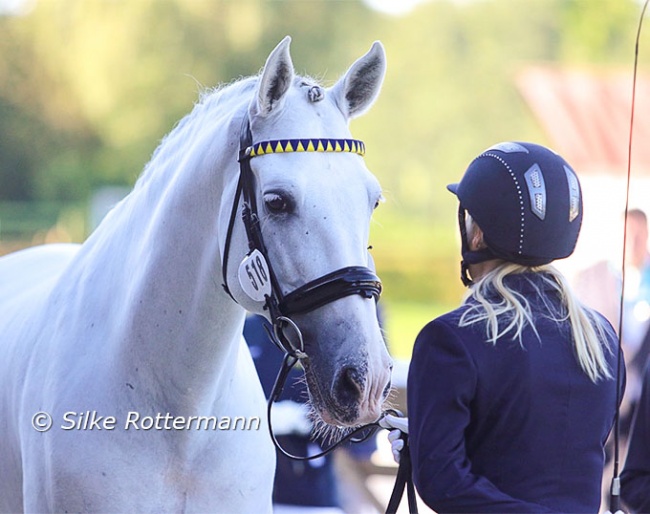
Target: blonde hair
<point x="507" y="312"/>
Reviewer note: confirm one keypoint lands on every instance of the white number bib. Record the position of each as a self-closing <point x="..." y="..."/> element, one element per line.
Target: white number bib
<point x="254" y="276"/>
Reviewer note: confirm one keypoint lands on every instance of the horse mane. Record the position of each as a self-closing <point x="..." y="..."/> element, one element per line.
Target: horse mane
<point x="213" y="103"/>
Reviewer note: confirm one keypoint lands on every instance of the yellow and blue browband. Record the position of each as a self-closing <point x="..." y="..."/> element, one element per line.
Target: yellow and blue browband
<point x="305" y="145"/>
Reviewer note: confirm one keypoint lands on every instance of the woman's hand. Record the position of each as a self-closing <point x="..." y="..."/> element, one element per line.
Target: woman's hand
<point x="398" y="426"/>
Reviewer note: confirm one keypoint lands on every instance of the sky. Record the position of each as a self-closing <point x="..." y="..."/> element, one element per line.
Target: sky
<point x="16" y="7"/>
<point x="392" y="7"/>
<point x="401" y="7"/>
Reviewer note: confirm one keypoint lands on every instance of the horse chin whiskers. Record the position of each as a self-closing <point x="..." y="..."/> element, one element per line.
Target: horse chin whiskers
<point x="326" y="432"/>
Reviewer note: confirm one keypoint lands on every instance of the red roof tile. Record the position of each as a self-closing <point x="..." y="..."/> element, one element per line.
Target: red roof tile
<point x="587" y="117"/>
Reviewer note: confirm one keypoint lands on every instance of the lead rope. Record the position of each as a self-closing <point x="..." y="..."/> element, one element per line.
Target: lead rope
<point x="615" y="489"/>
<point x="287" y="363"/>
<point x="403" y="478"/>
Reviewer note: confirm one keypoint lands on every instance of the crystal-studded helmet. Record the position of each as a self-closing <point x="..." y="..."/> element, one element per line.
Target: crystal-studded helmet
<point x="527" y="201"/>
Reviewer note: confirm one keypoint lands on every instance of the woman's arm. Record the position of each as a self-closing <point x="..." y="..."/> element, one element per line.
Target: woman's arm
<point x="441" y="384"/>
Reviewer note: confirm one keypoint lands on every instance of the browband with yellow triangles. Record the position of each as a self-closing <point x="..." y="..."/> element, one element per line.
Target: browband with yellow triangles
<point x="305" y="145"/>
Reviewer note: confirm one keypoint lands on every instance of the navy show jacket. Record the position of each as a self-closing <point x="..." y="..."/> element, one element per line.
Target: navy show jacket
<point x="512" y="426"/>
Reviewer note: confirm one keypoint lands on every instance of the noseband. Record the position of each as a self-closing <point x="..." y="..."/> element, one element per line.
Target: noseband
<point x="256" y="274"/>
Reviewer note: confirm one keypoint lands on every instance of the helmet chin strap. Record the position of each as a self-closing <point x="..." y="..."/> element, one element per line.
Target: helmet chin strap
<point x="470" y="256"/>
<point x="487" y="253"/>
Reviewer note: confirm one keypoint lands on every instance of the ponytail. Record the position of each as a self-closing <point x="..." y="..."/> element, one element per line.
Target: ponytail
<point x="506" y="312"/>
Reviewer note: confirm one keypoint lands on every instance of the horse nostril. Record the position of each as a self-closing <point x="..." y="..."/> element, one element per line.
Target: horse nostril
<point x="348" y="387"/>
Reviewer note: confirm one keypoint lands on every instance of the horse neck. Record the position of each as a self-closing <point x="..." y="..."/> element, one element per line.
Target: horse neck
<point x="180" y="330"/>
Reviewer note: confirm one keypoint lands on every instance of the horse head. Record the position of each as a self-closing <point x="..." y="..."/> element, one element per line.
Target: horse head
<point x="314" y="210"/>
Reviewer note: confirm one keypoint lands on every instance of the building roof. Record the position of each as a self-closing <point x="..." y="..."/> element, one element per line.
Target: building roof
<point x="586" y="115"/>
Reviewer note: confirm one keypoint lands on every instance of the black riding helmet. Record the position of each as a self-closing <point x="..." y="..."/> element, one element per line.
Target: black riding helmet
<point x="527" y="201"/>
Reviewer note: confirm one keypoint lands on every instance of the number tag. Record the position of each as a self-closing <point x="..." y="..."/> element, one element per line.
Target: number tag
<point x="254" y="276"/>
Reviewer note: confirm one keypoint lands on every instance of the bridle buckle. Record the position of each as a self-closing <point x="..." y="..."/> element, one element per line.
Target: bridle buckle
<point x="279" y="327"/>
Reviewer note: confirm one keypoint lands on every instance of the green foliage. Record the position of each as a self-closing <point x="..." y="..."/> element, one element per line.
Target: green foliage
<point x="89" y="87"/>
<point x="404" y="320"/>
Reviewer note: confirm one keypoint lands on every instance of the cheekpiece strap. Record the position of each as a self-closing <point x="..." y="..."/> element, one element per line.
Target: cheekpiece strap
<point x="338" y="284"/>
<point x="303" y="145"/>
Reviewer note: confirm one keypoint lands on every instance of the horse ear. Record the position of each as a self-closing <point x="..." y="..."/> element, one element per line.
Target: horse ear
<point x="275" y="80"/>
<point x="357" y="90"/>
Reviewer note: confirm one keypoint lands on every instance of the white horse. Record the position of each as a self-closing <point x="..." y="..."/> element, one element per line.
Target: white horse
<point x="129" y="346"/>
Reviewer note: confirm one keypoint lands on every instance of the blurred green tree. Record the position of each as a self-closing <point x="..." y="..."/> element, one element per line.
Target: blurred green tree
<point x="89" y="87"/>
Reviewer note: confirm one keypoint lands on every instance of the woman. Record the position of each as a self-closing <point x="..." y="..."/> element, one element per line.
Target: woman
<point x="511" y="397"/>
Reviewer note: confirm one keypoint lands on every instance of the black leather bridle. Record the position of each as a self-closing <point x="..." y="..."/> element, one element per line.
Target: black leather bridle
<point x="340" y="283"/>
<point x="257" y="267"/>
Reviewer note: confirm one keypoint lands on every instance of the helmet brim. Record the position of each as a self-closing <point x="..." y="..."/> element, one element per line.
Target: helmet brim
<point x="453" y="188"/>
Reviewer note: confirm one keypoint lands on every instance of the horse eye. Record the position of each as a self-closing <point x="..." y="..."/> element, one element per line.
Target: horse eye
<point x="276" y="203"/>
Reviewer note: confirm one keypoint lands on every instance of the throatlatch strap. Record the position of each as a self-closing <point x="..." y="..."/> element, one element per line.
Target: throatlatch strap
<point x="226" y="249"/>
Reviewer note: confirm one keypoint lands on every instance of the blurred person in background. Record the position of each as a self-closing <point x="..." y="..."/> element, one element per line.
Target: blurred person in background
<point x="600" y="287"/>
